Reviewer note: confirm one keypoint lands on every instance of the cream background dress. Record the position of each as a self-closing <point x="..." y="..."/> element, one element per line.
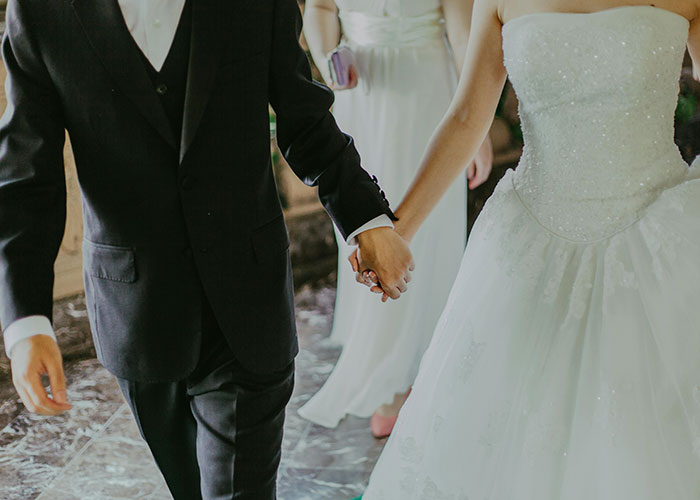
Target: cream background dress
<point x="407" y="80"/>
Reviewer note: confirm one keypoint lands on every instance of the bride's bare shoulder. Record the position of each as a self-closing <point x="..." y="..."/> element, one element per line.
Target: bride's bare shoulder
<point x="488" y="8"/>
<point x="503" y="8"/>
<point x="695" y="5"/>
<point x="509" y="9"/>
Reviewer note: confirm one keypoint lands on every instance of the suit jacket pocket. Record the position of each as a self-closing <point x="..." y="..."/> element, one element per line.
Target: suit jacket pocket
<point x="270" y="240"/>
<point x="109" y="262"/>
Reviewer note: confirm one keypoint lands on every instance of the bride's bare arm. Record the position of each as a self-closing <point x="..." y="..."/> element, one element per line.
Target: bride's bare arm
<point x="458" y="19"/>
<point x="466" y="123"/>
<point x="322" y="31"/>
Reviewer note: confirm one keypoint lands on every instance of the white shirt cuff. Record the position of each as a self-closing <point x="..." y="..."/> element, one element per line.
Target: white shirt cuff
<point x="25" y="328"/>
<point x="381" y="221"/>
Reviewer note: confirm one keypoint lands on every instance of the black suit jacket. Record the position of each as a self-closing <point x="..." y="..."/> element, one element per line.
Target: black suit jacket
<point x="165" y="224"/>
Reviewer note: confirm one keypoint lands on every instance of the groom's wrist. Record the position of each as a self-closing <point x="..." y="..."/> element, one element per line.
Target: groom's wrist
<point x="371" y="235"/>
<point x="25" y="328"/>
<point x="382" y="221"/>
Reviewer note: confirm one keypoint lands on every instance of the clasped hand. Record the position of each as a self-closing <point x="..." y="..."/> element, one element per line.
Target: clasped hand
<point x="383" y="262"/>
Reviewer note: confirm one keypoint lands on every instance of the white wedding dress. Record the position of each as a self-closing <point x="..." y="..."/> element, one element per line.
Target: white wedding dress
<point x="407" y="80"/>
<point x="566" y="365"/>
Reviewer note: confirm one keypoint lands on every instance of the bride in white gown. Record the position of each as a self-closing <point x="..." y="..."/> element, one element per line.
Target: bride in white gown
<point x="566" y="365"/>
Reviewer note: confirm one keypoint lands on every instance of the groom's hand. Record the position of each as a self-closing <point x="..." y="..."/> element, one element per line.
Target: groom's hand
<point x="386" y="253"/>
<point x="31" y="358"/>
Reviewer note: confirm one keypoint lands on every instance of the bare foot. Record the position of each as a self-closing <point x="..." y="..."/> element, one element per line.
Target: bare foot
<point x="392" y="410"/>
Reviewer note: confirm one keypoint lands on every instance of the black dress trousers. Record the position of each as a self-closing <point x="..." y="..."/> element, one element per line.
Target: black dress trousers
<point x="216" y="435"/>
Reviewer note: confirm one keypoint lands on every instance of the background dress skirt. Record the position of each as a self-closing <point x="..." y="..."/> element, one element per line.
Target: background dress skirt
<point x="403" y="95"/>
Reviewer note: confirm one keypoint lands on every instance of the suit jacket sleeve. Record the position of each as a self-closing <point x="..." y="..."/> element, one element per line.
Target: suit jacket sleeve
<point x="318" y="152"/>
<point x="32" y="179"/>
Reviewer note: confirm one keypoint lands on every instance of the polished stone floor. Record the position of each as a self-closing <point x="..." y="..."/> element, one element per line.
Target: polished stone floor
<point x="94" y="452"/>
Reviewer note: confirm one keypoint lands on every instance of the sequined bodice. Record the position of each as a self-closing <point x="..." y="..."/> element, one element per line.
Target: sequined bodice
<point x="597" y="98"/>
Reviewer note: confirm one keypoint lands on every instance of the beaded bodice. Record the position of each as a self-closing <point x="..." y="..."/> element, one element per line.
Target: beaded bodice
<point x="597" y="98"/>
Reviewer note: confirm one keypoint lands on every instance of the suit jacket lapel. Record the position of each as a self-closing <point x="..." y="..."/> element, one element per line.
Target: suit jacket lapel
<point x="103" y="24"/>
<point x="210" y="20"/>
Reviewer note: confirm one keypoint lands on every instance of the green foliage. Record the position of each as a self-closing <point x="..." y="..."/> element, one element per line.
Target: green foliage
<point x="687" y="107"/>
<point x="273" y="124"/>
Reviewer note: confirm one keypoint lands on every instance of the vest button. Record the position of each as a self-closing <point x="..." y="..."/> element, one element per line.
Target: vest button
<point x="162" y="89"/>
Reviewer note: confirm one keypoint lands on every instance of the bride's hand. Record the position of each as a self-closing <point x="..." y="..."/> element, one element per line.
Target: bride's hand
<point x="480" y="169"/>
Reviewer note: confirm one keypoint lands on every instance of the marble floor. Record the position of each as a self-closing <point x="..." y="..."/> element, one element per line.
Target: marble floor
<point x="94" y="452"/>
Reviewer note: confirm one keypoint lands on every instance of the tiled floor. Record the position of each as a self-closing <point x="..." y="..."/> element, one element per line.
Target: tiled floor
<point x="95" y="452"/>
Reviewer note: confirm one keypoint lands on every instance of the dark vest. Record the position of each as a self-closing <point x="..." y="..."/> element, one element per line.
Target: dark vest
<point x="170" y="83"/>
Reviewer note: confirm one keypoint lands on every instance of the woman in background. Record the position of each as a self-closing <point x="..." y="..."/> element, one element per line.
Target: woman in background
<point x="407" y="54"/>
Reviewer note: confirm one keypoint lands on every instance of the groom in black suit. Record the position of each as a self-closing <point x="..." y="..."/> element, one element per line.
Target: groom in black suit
<point x="186" y="258"/>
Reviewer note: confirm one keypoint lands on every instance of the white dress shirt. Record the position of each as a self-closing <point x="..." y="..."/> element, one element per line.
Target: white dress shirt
<point x="152" y="24"/>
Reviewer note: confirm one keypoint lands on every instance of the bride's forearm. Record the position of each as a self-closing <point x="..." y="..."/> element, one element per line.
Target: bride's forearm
<point x="451" y="149"/>
<point x="464" y="127"/>
<point x="322" y="31"/>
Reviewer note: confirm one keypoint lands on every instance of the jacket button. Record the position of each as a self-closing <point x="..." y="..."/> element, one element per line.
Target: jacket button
<point x="187" y="183"/>
<point x="162" y="89"/>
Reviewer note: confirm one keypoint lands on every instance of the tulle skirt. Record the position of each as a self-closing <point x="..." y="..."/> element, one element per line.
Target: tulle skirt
<point x="560" y="370"/>
<point x="403" y="94"/>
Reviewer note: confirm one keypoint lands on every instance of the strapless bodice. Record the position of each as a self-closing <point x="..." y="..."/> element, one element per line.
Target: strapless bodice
<point x="597" y="97"/>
